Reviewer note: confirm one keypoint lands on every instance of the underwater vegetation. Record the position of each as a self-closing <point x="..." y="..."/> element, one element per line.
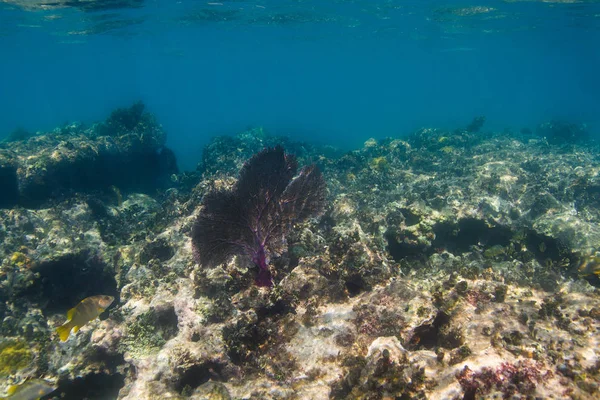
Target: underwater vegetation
<point x="14" y="356"/>
<point x="254" y="217"/>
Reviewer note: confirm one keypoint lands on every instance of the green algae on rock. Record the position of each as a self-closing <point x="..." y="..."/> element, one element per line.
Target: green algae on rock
<point x="15" y="355"/>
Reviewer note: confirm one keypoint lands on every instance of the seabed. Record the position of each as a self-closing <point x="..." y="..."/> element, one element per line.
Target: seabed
<point x="447" y="265"/>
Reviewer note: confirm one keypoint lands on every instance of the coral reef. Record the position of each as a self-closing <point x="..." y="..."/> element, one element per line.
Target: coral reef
<point x="508" y="379"/>
<point x="448" y="265"/>
<point x="560" y="132"/>
<point x="19" y="133"/>
<point x="126" y="151"/>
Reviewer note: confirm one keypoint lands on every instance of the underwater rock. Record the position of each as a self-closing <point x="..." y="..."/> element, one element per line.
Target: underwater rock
<point x="563" y="132"/>
<point x="15" y="356"/>
<point x="129" y="155"/>
<point x="227" y="154"/>
<point x="304" y="281"/>
<point x="211" y="391"/>
<point x="476" y="124"/>
<point x="158" y="249"/>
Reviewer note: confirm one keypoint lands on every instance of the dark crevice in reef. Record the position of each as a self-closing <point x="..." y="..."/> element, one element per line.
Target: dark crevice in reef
<point x="399" y="249"/>
<point x="545" y="248"/>
<point x="167" y="321"/>
<point x="410" y="218"/>
<point x="294" y="259"/>
<point x="199" y="374"/>
<point x="65" y="282"/>
<point x="110" y="361"/>
<point x="138" y="171"/>
<point x="280" y="307"/>
<point x="427" y="336"/>
<point x="9" y="185"/>
<point x="159" y="323"/>
<point x="458" y="238"/>
<point x="98" y="386"/>
<point x="453" y="237"/>
<point x="356" y="285"/>
<point x="159" y="249"/>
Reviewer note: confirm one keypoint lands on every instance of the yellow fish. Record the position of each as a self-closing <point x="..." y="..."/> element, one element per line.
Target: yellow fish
<point x="29" y="390"/>
<point x="87" y="310"/>
<point x="590" y="265"/>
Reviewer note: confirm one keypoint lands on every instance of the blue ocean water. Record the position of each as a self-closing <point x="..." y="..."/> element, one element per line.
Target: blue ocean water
<point x="327" y="71"/>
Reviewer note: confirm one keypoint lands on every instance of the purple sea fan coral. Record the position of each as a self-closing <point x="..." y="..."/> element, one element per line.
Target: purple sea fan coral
<point x="254" y="217"/>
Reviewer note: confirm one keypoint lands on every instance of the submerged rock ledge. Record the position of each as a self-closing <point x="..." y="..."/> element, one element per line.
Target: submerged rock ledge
<point x="450" y="265"/>
<point x="127" y="151"/>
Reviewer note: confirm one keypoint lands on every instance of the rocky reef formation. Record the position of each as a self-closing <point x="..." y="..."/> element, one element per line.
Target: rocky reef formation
<point x="449" y="265"/>
<point x="126" y="151"/>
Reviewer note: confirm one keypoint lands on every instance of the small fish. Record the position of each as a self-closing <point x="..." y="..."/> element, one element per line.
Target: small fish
<point x="88" y="309"/>
<point x="29" y="390"/>
<point x="590" y="266"/>
<point x="118" y="195"/>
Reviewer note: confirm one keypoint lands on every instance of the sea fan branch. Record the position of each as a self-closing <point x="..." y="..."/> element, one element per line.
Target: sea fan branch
<point x="254" y="217"/>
